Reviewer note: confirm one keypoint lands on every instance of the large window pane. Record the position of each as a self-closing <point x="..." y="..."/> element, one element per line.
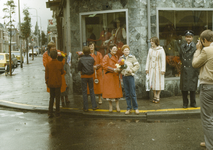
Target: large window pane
<point x="104" y="29"/>
<point x="172" y="25"/>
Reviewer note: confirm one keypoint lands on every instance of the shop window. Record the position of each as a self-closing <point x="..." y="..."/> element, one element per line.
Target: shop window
<point x="172" y="25"/>
<point x="104" y="28"/>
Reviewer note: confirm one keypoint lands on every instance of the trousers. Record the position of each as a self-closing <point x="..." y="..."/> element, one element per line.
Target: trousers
<point x="54" y="93"/>
<point x="185" y="98"/>
<point x="206" y="103"/>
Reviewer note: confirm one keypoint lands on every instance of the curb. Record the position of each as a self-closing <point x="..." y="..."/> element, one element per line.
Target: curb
<point x="176" y="113"/>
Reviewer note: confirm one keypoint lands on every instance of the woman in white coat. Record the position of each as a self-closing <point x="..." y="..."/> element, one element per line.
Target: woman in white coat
<point x="155" y="68"/>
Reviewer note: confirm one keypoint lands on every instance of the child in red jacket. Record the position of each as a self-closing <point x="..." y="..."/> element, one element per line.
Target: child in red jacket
<point x="53" y="71"/>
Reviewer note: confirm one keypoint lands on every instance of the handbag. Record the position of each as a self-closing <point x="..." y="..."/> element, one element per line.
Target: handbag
<point x="96" y="81"/>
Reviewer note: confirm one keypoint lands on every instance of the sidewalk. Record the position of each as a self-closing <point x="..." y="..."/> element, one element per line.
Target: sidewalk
<point x="26" y="90"/>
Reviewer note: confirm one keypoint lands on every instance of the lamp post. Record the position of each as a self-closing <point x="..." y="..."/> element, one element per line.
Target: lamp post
<point x="20" y="34"/>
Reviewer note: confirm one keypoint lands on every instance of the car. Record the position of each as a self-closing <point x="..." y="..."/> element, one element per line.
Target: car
<point x="34" y="52"/>
<point x="4" y="61"/>
<point x="17" y="55"/>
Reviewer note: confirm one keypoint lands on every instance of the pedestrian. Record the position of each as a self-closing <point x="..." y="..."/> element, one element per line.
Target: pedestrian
<point x="189" y="75"/>
<point x="97" y="76"/>
<point x="53" y="71"/>
<point x="128" y="79"/>
<point x="65" y="79"/>
<point x="155" y="68"/>
<point x="112" y="90"/>
<point x="85" y="65"/>
<point x="203" y="59"/>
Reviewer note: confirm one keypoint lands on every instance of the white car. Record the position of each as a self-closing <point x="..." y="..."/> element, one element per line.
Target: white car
<point x="34" y="52"/>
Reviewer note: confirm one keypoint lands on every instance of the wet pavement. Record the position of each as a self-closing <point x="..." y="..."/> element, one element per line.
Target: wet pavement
<point x="26" y="89"/>
<point x="24" y="130"/>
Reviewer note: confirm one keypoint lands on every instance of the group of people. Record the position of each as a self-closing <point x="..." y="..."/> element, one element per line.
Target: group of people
<point x="103" y="77"/>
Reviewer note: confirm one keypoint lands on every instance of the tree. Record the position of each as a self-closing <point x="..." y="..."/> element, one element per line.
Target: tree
<point x="43" y="38"/>
<point x="9" y="10"/>
<point x="26" y="28"/>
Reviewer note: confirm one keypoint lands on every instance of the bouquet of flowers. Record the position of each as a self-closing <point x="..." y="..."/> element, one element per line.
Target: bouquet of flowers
<point x="121" y="64"/>
<point x="61" y="56"/>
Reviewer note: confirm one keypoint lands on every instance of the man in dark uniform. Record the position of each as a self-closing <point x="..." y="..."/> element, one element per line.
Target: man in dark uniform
<point x="189" y="75"/>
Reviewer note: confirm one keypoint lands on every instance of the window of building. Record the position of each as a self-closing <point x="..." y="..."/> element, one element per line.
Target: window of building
<point x="104" y="28"/>
<point x="171" y="27"/>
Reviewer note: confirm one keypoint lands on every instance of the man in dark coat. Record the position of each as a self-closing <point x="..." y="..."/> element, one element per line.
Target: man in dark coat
<point x="189" y="75"/>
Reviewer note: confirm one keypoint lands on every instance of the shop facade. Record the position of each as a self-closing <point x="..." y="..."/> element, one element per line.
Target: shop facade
<point x="132" y="22"/>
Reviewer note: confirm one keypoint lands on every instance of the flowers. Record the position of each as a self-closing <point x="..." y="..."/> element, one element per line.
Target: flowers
<point x="121" y="64"/>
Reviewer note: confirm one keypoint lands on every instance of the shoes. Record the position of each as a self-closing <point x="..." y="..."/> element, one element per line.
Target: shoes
<point x="100" y="102"/>
<point x="127" y="112"/>
<point x="195" y="106"/>
<point x="137" y="112"/>
<point x="185" y="106"/>
<point x="154" y="99"/>
<point x="157" y="100"/>
<point x="95" y="108"/>
<point x="203" y="144"/>
<point x="118" y="109"/>
<point x="85" y="110"/>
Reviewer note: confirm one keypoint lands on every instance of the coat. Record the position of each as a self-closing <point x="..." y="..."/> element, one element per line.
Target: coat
<point x="53" y="71"/>
<point x="111" y="83"/>
<point x="98" y="62"/>
<point x="155" y="64"/>
<point x="189" y="75"/>
<point x="46" y="59"/>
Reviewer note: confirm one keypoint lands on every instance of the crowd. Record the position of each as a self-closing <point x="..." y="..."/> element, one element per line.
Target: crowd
<point x="102" y="76"/>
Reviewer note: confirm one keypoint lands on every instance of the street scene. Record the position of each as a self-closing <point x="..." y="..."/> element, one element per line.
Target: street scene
<point x="114" y="74"/>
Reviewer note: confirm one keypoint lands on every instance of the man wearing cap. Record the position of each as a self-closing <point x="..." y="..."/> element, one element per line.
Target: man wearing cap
<point x="189" y="75"/>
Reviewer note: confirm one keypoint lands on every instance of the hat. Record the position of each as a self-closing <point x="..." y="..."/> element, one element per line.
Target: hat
<point x="189" y="32"/>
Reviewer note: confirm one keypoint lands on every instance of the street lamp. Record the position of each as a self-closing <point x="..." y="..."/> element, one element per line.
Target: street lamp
<point x="20" y="33"/>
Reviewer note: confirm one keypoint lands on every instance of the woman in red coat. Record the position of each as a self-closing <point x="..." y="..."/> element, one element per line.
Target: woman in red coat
<point x="112" y="89"/>
<point x="98" y="69"/>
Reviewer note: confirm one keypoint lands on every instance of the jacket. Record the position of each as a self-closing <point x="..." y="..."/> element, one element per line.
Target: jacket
<point x="132" y="64"/>
<point x="85" y="65"/>
<point x="189" y="75"/>
<point x="203" y="59"/>
<point x="53" y="71"/>
<point x="111" y="84"/>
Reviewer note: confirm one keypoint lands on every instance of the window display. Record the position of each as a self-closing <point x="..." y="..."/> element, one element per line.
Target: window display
<point x="172" y="25"/>
<point x="104" y="29"/>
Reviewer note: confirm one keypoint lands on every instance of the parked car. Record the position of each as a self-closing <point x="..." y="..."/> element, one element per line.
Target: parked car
<point x="17" y="55"/>
<point x="4" y="61"/>
<point x="34" y="52"/>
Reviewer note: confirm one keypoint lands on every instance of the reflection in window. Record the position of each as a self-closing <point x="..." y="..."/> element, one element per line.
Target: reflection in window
<point x="172" y="25"/>
<point x="104" y="29"/>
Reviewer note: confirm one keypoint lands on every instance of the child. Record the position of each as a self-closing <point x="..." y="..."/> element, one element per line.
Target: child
<point x="85" y="65"/>
<point x="53" y="71"/>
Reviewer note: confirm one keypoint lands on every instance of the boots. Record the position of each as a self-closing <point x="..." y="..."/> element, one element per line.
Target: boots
<point x="110" y="106"/>
<point x="117" y="106"/>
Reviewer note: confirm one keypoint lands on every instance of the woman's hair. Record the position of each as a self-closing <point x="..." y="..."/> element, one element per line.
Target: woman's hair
<point x="86" y="50"/>
<point x="90" y="43"/>
<point x="111" y="46"/>
<point x="53" y="54"/>
<point x="155" y="40"/>
<point x="51" y="44"/>
<point x="124" y="46"/>
<point x="207" y="34"/>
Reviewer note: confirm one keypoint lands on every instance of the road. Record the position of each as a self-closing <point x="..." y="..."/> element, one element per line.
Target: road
<point x="22" y="130"/>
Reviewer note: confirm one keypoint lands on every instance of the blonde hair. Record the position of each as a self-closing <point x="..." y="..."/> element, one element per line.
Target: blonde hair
<point x="124" y="46"/>
<point x="51" y="44"/>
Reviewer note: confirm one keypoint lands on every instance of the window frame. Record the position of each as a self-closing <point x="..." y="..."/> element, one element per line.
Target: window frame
<point x="175" y="9"/>
<point x="103" y="12"/>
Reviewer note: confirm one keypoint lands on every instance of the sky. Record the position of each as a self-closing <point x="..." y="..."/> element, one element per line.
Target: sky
<point x="40" y="5"/>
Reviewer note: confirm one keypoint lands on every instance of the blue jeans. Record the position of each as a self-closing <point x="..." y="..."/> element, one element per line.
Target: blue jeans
<point x="84" y="82"/>
<point x="130" y="94"/>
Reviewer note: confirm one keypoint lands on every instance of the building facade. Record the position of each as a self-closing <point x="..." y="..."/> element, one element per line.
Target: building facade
<point x="79" y="22"/>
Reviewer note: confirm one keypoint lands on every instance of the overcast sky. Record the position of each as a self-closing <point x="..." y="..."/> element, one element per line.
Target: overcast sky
<point x="40" y="5"/>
